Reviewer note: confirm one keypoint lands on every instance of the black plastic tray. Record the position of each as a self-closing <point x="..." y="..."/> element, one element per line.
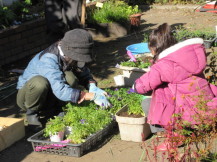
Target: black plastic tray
<point x="43" y="145"/>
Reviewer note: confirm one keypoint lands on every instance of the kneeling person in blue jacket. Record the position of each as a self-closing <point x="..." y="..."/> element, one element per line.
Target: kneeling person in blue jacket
<point x="57" y="70"/>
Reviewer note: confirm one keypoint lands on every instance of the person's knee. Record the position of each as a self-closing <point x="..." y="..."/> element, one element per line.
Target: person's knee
<point x="38" y="83"/>
<point x="71" y="79"/>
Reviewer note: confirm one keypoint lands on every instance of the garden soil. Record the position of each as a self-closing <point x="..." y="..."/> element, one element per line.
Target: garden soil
<point x="109" y="51"/>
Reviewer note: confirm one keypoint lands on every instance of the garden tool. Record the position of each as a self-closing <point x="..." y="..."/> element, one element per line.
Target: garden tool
<point x="132" y="58"/>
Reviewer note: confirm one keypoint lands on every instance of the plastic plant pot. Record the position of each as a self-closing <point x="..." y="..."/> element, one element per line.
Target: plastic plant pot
<point x="57" y="137"/>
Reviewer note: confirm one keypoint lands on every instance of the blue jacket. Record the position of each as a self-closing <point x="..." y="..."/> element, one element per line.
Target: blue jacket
<point x="50" y="66"/>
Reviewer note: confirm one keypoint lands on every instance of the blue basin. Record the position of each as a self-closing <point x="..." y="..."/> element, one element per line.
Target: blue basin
<point x="138" y="48"/>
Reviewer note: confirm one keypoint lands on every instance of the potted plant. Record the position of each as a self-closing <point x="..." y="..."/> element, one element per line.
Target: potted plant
<point x="129" y="114"/>
<point x="135" y="16"/>
<point x="209" y="39"/>
<point x="112" y="18"/>
<point x="55" y="129"/>
<point x="134" y="69"/>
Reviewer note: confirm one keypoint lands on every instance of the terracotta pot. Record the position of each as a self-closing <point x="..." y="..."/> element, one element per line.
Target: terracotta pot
<point x="135" y="19"/>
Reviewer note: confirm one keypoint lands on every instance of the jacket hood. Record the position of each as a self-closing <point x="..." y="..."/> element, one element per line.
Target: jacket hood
<point x="189" y="54"/>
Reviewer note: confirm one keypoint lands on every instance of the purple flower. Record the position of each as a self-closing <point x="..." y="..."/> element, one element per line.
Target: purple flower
<point x="132" y="90"/>
<point x="109" y="95"/>
<point x="116" y="89"/>
<point x="103" y="104"/>
<point x="83" y="121"/>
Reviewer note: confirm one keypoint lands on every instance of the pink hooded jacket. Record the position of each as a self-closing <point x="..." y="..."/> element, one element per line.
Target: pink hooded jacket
<point x="177" y="74"/>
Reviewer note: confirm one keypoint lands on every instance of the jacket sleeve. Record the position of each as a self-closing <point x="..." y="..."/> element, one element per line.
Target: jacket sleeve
<point x="50" y="69"/>
<point x="84" y="76"/>
<point x="159" y="74"/>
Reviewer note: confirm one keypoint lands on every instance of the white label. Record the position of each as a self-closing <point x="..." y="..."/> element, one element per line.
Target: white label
<point x="99" y="4"/>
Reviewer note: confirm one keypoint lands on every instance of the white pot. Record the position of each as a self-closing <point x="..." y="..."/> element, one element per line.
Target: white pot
<point x="130" y="74"/>
<point x="119" y="80"/>
<point x="131" y="129"/>
<point x="58" y="137"/>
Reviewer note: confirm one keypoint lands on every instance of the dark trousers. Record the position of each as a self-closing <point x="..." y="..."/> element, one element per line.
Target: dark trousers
<point x="37" y="94"/>
<point x="146" y="106"/>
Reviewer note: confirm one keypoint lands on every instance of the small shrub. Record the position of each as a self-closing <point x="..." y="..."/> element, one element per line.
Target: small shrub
<point x="112" y="11"/>
<point x="183" y="34"/>
<point x="199" y="139"/>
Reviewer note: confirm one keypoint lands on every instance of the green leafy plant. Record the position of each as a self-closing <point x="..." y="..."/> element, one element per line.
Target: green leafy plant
<point x="18" y="12"/>
<point x="183" y="34"/>
<point x="140" y="63"/>
<point x="85" y="120"/>
<point x="112" y="11"/>
<point x="88" y="118"/>
<point x="53" y="126"/>
<point x="146" y="37"/>
<point x="125" y="96"/>
<point x="6" y="17"/>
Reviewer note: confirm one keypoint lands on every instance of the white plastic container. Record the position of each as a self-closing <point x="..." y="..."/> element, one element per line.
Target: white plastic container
<point x="119" y="80"/>
<point x="57" y="137"/>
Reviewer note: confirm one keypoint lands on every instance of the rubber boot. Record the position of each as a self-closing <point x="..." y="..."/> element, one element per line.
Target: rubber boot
<point x="33" y="121"/>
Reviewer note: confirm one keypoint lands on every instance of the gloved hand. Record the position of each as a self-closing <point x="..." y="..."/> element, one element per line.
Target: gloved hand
<point x="101" y="100"/>
<point x="94" y="89"/>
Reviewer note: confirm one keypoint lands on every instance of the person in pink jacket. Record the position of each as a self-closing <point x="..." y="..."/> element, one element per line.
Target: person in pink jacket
<point x="174" y="78"/>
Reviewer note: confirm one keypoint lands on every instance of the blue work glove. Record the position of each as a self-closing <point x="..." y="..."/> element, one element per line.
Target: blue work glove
<point x="94" y="89"/>
<point x="101" y="100"/>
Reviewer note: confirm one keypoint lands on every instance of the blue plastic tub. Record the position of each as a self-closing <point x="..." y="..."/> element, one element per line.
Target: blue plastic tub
<point x="138" y="48"/>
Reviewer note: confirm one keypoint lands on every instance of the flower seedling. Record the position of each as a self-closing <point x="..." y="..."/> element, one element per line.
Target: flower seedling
<point x="53" y="126"/>
<point x="85" y="119"/>
<point x="125" y="96"/>
<point x="88" y="118"/>
<point x="140" y="63"/>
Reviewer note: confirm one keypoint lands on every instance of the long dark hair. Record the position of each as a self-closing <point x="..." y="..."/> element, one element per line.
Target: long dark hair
<point x="160" y="39"/>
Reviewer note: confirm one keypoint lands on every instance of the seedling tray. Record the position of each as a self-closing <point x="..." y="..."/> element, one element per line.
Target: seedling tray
<point x="43" y="145"/>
